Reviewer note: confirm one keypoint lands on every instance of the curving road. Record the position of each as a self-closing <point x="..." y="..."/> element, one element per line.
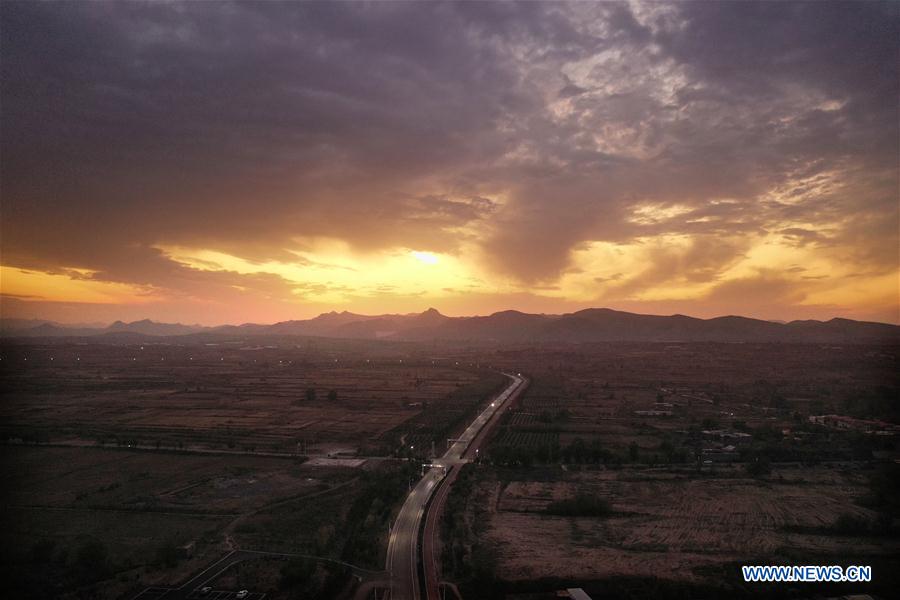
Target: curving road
<point x="403" y="545"/>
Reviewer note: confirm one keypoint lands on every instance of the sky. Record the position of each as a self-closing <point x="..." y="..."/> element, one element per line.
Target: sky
<point x="260" y="161"/>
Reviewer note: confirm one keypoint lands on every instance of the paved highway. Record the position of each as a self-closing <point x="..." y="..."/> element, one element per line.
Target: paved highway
<point x="403" y="548"/>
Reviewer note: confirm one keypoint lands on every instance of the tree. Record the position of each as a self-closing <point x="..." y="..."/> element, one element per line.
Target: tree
<point x="42" y="551"/>
<point x="758" y="466"/>
<point x="323" y="538"/>
<point x="167" y="555"/>
<point x="582" y="505"/>
<point x="668" y="450"/>
<point x="91" y="561"/>
<point x="884" y="488"/>
<point x="633" y="451"/>
<point x="709" y="423"/>
<point x="851" y="524"/>
<point x="296" y="574"/>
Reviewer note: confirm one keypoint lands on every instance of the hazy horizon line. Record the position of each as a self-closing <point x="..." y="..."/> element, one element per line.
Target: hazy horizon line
<point x="106" y="324"/>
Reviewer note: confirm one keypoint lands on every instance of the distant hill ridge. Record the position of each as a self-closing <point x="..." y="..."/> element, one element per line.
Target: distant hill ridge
<point x="589" y="325"/>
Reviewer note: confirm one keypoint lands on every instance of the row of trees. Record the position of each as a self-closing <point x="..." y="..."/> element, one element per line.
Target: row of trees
<point x="311" y="394"/>
<point x="581" y="505"/>
<point x="577" y="452"/>
<point x="438" y="419"/>
<point x="51" y="568"/>
<point x="369" y="515"/>
<point x="467" y="558"/>
<point x="307" y="578"/>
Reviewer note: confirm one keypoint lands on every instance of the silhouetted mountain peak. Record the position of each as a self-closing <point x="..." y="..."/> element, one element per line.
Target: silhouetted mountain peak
<point x="334" y="317"/>
<point x="149" y="327"/>
<point x="429" y="318"/>
<point x="588" y="325"/>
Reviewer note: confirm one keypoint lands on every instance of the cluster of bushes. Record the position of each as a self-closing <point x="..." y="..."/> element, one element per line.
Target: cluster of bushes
<point x="757" y="465"/>
<point x="467" y="560"/>
<point x="510" y="455"/>
<point x="50" y="569"/>
<point x="437" y="420"/>
<point x="454" y="529"/>
<point x="310" y="396"/>
<point x="370" y="512"/>
<point x="875" y="402"/>
<point x="847" y="524"/>
<point x="306" y="578"/>
<point x="884" y="494"/>
<point x="851" y="524"/>
<point x="672" y="454"/>
<point x="29" y="437"/>
<point x="550" y="416"/>
<point x="850" y="445"/>
<point x="581" y="505"/>
<point x="578" y="452"/>
<point x="167" y="555"/>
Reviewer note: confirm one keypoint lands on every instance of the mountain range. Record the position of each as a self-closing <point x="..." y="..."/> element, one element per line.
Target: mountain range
<point x="589" y="325"/>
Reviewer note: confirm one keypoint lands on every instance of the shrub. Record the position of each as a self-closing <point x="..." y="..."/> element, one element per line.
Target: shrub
<point x="582" y="505"/>
<point x="850" y="524"/>
<point x="167" y="555"/>
<point x="296" y="572"/>
<point x="91" y="561"/>
<point x="758" y="466"/>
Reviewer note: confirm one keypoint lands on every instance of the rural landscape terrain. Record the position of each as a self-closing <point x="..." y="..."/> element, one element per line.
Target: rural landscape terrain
<point x="449" y="300"/>
<point x="133" y="463"/>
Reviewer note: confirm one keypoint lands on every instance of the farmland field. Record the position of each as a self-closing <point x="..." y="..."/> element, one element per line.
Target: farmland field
<point x="661" y="523"/>
<point x="133" y="466"/>
<point x="256" y="399"/>
<point x="658" y="469"/>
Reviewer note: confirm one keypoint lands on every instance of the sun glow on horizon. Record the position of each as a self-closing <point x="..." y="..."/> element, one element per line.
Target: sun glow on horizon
<point x="426" y="257"/>
<point x="331" y="272"/>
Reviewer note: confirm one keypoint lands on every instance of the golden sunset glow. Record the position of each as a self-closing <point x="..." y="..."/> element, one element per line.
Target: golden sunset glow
<point x="426" y="257"/>
<point x="334" y="275"/>
<point x="66" y="288"/>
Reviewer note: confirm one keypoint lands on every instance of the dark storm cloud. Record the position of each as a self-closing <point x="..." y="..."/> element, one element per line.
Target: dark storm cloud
<point x="239" y="127"/>
<point x="160" y="110"/>
<point x="732" y="101"/>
